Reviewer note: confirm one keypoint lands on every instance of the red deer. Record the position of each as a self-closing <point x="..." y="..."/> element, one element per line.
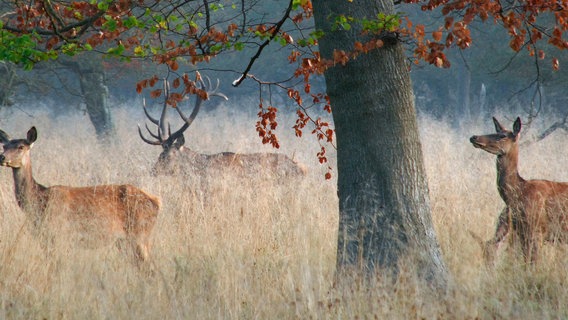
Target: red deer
<point x="118" y="212"/>
<point x="176" y="157"/>
<point x="536" y="210"/>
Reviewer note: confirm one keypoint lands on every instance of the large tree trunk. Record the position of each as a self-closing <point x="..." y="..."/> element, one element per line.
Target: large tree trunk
<point x="385" y="215"/>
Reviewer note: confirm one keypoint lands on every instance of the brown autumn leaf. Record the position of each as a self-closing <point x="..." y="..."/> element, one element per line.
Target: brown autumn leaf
<point x="174" y="96"/>
<point x="437" y="35"/>
<point x="176" y="83"/>
<point x="174" y="65"/>
<point x="153" y="81"/>
<point x="155" y="93"/>
<point x="555" y="64"/>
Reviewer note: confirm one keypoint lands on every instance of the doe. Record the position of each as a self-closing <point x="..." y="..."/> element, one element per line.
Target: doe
<point x="536" y="210"/>
<point x="106" y="211"/>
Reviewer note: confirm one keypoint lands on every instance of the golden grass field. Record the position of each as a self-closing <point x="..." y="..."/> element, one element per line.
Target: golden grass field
<point x="241" y="250"/>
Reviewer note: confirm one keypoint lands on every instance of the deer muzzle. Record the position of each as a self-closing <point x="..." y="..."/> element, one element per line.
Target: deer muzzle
<point x="476" y="143"/>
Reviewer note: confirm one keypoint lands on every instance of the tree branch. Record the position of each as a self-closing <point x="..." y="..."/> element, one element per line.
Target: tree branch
<point x="560" y="124"/>
<point x="262" y="46"/>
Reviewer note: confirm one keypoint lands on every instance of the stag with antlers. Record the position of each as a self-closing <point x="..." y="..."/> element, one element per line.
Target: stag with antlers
<point x="174" y="157"/>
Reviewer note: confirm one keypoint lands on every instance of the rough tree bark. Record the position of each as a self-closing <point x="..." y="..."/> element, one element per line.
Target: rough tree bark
<point x="385" y="215"/>
<point x="95" y="94"/>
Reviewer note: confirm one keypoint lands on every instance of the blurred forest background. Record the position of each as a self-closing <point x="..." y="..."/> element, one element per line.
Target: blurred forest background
<point x="483" y="80"/>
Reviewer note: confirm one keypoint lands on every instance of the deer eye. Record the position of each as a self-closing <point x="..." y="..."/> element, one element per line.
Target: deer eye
<point x="501" y="137"/>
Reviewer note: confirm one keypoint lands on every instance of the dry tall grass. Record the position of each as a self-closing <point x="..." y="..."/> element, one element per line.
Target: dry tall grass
<point x="261" y="252"/>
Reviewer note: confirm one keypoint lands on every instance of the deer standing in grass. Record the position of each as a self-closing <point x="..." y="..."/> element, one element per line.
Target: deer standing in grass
<point x="537" y="210"/>
<point x="175" y="157"/>
<point x="93" y="214"/>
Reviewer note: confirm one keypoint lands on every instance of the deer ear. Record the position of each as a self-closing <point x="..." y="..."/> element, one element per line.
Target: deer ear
<point x="4" y="137"/>
<point x="498" y="126"/>
<point x="32" y="135"/>
<point x="178" y="144"/>
<point x="517" y="126"/>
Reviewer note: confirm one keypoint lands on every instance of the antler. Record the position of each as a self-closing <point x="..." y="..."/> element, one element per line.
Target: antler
<point x="167" y="140"/>
<point x="197" y="107"/>
<point x="161" y="123"/>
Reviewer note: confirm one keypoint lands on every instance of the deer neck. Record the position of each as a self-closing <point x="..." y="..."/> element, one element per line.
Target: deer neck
<point x="30" y="195"/>
<point x="188" y="152"/>
<point x="509" y="182"/>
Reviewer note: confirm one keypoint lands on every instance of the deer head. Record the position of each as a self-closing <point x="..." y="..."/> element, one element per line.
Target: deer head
<point x="17" y="152"/>
<point x="500" y="143"/>
<point x="172" y="143"/>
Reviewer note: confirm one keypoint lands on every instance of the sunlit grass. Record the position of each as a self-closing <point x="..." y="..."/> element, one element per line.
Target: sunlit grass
<point x="240" y="250"/>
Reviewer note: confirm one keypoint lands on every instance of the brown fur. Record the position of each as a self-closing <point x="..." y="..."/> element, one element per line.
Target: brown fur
<point x="175" y="158"/>
<point x="93" y="214"/>
<point x="537" y="210"/>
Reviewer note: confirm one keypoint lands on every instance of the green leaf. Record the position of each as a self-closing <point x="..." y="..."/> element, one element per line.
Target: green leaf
<point x="117" y="51"/>
<point x="216" y="48"/>
<point x="239" y="46"/>
<point x="70" y="49"/>
<point x="110" y="25"/>
<point x="130" y="22"/>
<point x="22" y="49"/>
<point x="296" y="4"/>
<point x="139" y="51"/>
<point x="103" y="6"/>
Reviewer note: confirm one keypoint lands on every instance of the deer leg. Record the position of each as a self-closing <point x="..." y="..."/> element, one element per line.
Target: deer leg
<point x="135" y="250"/>
<point x="141" y="250"/>
<point x="530" y="250"/>
<point x="528" y="244"/>
<point x="502" y="226"/>
<point x="489" y="248"/>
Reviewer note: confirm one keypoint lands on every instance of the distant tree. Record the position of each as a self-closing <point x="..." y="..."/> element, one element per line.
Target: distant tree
<point x="94" y="92"/>
<point x="8" y="74"/>
<point x="384" y="206"/>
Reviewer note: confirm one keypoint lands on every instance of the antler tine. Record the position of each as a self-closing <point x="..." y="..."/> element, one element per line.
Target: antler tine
<point x="152" y="119"/>
<point x="214" y="92"/>
<point x="189" y="120"/>
<point x="203" y="85"/>
<point x="169" y="130"/>
<point x="155" y="136"/>
<point x="198" y="100"/>
<point x="163" y="117"/>
<point x="154" y="143"/>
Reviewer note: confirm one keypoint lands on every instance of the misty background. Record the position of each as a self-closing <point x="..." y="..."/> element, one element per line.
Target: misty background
<point x="485" y="80"/>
